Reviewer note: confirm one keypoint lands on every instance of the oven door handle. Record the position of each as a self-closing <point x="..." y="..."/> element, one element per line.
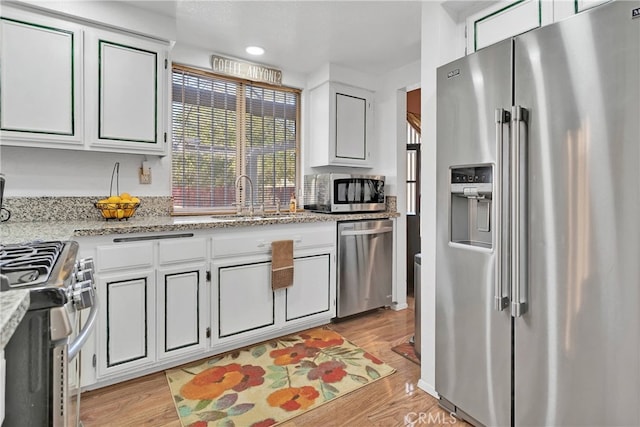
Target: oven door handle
<point x="78" y="342"/>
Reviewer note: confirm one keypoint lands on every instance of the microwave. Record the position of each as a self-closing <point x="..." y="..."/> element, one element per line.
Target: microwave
<point x="340" y="193"/>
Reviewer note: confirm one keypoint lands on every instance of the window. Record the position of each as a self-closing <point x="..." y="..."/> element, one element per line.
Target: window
<point x="413" y="170"/>
<point x="224" y="128"/>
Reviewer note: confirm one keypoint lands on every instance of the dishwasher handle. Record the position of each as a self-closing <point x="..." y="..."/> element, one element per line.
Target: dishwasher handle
<point x="380" y="230"/>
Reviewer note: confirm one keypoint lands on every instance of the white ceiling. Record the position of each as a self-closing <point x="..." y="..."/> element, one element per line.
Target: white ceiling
<point x="299" y="36"/>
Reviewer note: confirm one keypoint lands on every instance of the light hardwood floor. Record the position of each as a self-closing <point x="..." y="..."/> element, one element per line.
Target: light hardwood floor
<point x="393" y="401"/>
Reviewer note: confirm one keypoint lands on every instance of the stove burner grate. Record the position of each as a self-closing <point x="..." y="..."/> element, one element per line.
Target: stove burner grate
<point x="29" y="264"/>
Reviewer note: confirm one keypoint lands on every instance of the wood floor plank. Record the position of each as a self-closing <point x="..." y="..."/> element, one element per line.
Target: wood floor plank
<point x="390" y="401"/>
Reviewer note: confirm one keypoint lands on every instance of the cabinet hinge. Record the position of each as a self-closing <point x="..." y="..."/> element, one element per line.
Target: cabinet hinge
<point x="465" y="40"/>
<point x="166" y="63"/>
<point x="94" y="361"/>
<point x="165" y="137"/>
<point x="208" y="276"/>
<point x="208" y="332"/>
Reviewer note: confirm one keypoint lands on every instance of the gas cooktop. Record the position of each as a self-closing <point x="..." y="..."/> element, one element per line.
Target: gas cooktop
<point x="35" y="265"/>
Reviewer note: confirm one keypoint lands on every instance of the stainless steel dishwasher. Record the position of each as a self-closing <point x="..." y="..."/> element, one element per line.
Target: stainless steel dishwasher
<point x="365" y="264"/>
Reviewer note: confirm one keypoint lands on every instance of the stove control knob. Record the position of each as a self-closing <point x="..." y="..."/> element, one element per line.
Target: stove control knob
<point x="84" y="275"/>
<point x="85" y="264"/>
<point x="83" y="294"/>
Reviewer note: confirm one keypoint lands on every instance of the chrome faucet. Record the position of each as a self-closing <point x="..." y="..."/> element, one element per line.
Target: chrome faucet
<point x="250" y="194"/>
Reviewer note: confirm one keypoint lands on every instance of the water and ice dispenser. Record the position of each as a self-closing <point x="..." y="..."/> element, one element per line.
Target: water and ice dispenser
<point x="471" y="197"/>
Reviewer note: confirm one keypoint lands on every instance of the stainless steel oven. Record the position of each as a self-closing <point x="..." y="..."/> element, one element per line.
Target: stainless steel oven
<point x="42" y="382"/>
<point x="339" y="193"/>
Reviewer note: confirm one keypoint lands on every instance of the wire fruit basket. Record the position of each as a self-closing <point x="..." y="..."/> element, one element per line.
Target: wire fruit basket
<point x="119" y="210"/>
<point x="120" y="206"/>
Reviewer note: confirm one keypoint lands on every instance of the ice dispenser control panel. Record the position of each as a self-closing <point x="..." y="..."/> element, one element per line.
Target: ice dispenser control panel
<point x="471" y="197"/>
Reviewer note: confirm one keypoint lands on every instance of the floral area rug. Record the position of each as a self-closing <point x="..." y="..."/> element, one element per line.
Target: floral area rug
<point x="272" y="382"/>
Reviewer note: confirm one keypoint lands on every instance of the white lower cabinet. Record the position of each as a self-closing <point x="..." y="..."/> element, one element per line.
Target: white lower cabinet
<point x="245" y="308"/>
<point x="311" y="293"/>
<point x="126" y="317"/>
<point x="170" y="299"/>
<point x="245" y="301"/>
<point x="151" y="295"/>
<point x="181" y="310"/>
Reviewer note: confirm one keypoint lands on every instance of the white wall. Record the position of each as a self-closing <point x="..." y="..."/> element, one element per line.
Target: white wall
<point x="32" y="172"/>
<point x="201" y="58"/>
<point x="442" y="42"/>
<point x="390" y="124"/>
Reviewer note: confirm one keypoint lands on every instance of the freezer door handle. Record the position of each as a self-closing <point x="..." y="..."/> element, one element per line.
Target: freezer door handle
<point x="501" y="301"/>
<point x="519" y="226"/>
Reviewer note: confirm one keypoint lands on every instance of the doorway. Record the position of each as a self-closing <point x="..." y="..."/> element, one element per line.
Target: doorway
<point x="413" y="184"/>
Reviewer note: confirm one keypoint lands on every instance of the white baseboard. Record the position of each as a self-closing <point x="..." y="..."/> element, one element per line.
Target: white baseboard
<point x="423" y="385"/>
<point x="398" y="307"/>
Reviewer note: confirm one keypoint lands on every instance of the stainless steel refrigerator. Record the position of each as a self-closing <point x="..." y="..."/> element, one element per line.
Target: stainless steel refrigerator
<point x="538" y="242"/>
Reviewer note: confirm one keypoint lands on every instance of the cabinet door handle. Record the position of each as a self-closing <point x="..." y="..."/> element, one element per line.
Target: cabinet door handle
<point x="143" y="238"/>
<point x="263" y="243"/>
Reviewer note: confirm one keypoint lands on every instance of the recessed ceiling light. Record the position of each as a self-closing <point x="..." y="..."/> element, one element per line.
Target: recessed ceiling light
<point x="254" y="50"/>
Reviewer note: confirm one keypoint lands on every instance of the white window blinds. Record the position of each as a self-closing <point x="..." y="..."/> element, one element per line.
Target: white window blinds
<point x="223" y="129"/>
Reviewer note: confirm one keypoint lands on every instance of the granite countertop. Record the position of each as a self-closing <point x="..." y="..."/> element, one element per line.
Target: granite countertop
<point x="17" y="232"/>
<point x="13" y="306"/>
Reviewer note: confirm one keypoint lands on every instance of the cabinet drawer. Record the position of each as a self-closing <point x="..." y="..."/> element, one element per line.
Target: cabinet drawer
<point x="250" y="243"/>
<point x="117" y="257"/>
<point x="182" y="251"/>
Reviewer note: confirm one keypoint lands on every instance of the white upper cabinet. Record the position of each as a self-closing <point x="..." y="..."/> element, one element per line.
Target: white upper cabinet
<point x="341" y="125"/>
<point x="581" y="5"/>
<point x="41" y="79"/>
<point x="69" y="85"/>
<point x="124" y="81"/>
<point x="504" y="20"/>
<point x="509" y="18"/>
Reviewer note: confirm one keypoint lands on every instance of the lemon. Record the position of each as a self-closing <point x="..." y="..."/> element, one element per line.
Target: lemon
<point x="135" y="200"/>
<point x="120" y="213"/>
<point x="125" y="196"/>
<point x="114" y="199"/>
<point x="103" y="201"/>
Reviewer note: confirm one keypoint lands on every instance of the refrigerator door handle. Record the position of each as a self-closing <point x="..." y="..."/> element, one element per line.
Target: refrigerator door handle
<point x="519" y="226"/>
<point x="500" y="301"/>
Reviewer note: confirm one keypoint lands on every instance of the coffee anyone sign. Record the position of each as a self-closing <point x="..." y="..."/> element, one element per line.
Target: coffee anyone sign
<point x="246" y="70"/>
